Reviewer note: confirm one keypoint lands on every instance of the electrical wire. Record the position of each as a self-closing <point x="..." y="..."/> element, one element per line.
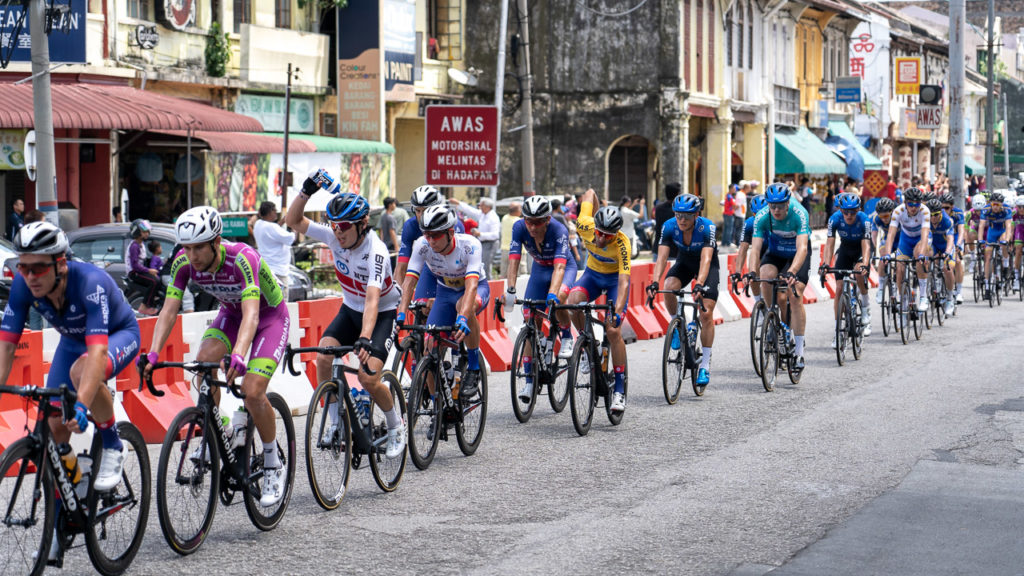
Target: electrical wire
<point x="583" y="5"/>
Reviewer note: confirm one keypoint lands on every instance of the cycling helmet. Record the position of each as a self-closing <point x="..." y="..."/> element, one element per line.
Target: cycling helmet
<point x="608" y="220"/>
<point x="934" y="206"/>
<point x="777" y="193"/>
<point x="40" y="238"/>
<point x="139" y="225"/>
<point x="197" y="225"/>
<point x="425" y="196"/>
<point x="913" y="195"/>
<point x="848" y="201"/>
<point x="347" y="207"/>
<point x="979" y="201"/>
<point x="928" y="196"/>
<point x="536" y="207"/>
<point x="757" y="203"/>
<point x="996" y="197"/>
<point x="686" y="203"/>
<point x="946" y="198"/>
<point x="884" y="206"/>
<point x="437" y="218"/>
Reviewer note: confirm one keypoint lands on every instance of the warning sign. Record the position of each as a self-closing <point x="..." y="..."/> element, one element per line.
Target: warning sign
<point x="462" y="145"/>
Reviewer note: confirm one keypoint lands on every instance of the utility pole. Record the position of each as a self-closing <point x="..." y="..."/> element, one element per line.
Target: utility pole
<point x="957" y="80"/>
<point x="285" y="180"/>
<point x="499" y="83"/>
<point x="42" y="104"/>
<point x="1006" y="135"/>
<point x="526" y="144"/>
<point x="990" y="103"/>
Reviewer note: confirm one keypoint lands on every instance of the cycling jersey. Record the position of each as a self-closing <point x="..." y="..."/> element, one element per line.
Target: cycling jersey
<point x="782" y="234"/>
<point x="974" y="218"/>
<point x="242" y="275"/>
<point x="451" y="269"/>
<point x="357" y="269"/>
<point x="996" y="220"/>
<point x="748" y="231"/>
<point x="1018" y="228"/>
<point x="427" y="286"/>
<point x="702" y="236"/>
<point x="554" y="249"/>
<point x="878" y="225"/>
<point x="910" y="226"/>
<point x="614" y="257"/>
<point x="958" y="221"/>
<point x="849" y="233"/>
<point x="939" y="231"/>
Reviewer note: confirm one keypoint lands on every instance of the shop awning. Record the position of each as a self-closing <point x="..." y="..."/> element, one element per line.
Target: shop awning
<point x="116" y="107"/>
<point x="841" y="130"/>
<point x="342" y="145"/>
<point x="801" y="152"/>
<point x="973" y="167"/>
<point x="244" y="142"/>
<point x="842" y="141"/>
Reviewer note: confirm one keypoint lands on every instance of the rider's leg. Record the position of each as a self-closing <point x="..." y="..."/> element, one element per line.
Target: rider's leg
<point x="254" y="386"/>
<point x="618" y="349"/>
<point x="798" y="322"/>
<point x="707" y="332"/>
<point x="671" y="302"/>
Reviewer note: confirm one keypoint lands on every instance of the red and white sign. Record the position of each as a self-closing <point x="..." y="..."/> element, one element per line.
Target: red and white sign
<point x="929" y="117"/>
<point x="462" y="145"/>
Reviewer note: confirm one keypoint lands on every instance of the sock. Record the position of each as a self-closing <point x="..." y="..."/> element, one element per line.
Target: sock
<point x="620" y="375"/>
<point x="959" y="287"/>
<point x="474" y="359"/>
<point x="757" y="297"/>
<point x="882" y="279"/>
<point x="865" y="302"/>
<point x="922" y="288"/>
<point x="270" y="459"/>
<point x="528" y="368"/>
<point x="108" y="434"/>
<point x="394" y="417"/>
<point x="332" y="412"/>
<point x="705" y="360"/>
<point x="799" y="346"/>
<point x="1006" y="263"/>
<point x="988" y="283"/>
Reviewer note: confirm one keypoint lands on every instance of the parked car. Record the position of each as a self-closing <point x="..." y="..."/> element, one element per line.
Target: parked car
<point x="106" y="245"/>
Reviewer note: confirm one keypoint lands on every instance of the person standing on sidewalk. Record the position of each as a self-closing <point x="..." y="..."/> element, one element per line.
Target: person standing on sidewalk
<point x="728" y="215"/>
<point x="387" y="226"/>
<point x="488" y="229"/>
<point x="274" y="244"/>
<point x="15" y="221"/>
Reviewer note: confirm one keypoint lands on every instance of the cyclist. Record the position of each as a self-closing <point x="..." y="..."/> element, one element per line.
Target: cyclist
<point x="957" y="215"/>
<point x="607" y="273"/>
<point x="422" y="198"/>
<point x="913" y="222"/>
<point x="253" y="320"/>
<point x="994" y="229"/>
<point x="1018" y="239"/>
<point x="978" y="203"/>
<point x="757" y="203"/>
<point x="879" y="232"/>
<point x="454" y="260"/>
<point x="366" y="317"/>
<point x="552" y="276"/>
<point x="697" y="259"/>
<point x="853" y="228"/>
<point x="99" y="336"/>
<point x="943" y="242"/>
<point x="785" y="227"/>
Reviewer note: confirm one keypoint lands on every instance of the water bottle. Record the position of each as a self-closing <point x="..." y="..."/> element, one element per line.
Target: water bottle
<point x="85" y="466"/>
<point x="325" y="181"/>
<point x="546" y="349"/>
<point x="691" y="334"/>
<point x="604" y="358"/>
<point x="239" y="422"/>
<point x="70" y="461"/>
<point x="361" y="402"/>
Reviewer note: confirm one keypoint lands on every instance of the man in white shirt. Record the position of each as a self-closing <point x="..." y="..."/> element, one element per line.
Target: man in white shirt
<point x="741" y="210"/>
<point x="274" y="244"/>
<point x="488" y="229"/>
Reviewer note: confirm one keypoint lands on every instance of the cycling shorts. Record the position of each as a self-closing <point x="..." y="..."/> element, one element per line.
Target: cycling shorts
<point x="992" y="236"/>
<point x="1018" y="234"/>
<point x="848" y="256"/>
<point x="907" y="245"/>
<point x="540" y="280"/>
<point x="268" y="343"/>
<point x="348" y="323"/>
<point x="782" y="264"/>
<point x="594" y="284"/>
<point x="686" y="270"/>
<point x="444" y="311"/>
<point x="122" y="347"/>
<point x="426" y="286"/>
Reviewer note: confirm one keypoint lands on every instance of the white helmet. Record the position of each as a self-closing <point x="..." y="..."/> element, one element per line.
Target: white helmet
<point x="437" y="218"/>
<point x="425" y="196"/>
<point x="979" y="201"/>
<point x="197" y="225"/>
<point x="1019" y="201"/>
<point x="536" y="207"/>
<point x="40" y="238"/>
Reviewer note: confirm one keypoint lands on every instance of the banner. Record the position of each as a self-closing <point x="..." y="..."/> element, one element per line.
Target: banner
<point x="908" y="75"/>
<point x="399" y="32"/>
<point x="360" y="79"/>
<point x="12" y="146"/>
<point x="269" y="110"/>
<point x="68" y="47"/>
<point x="236" y="182"/>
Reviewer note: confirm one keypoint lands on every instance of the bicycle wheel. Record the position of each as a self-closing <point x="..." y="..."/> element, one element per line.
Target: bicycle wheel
<point x="616" y="417"/>
<point x="904" y="312"/>
<point x="267" y="518"/>
<point x="404" y="364"/>
<point x="28" y="508"/>
<point x="940" y="312"/>
<point x="756" y="317"/>
<point x="519" y="374"/>
<point x="886" y="323"/>
<point x="842" y="328"/>
<point x="916" y="319"/>
<point x="856" y="337"/>
<point x="694" y="354"/>
<point x="387" y="473"/>
<point x="978" y="286"/>
<point x="117" y="518"/>
<point x="998" y="288"/>
<point x="673" y="366"/>
<point x="328" y="445"/>
<point x="469" y="430"/>
<point x="771" y="343"/>
<point x="424" y="416"/>
<point x="558" y="389"/>
<point x="187" y="487"/>
<point x="581" y="386"/>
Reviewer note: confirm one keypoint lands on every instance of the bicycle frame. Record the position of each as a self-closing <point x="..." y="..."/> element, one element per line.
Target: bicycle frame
<point x="590" y="340"/>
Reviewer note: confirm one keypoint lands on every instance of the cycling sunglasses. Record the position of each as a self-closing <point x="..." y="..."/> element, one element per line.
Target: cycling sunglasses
<point x="434" y="235"/>
<point x="342" y="226"/>
<point x="849" y="211"/>
<point x="36" y="269"/>
<point x="603" y="234"/>
<point x="534" y="222"/>
<point x="912" y="204"/>
<point x="778" y="205"/>
<point x="686" y="215"/>
<point x="947" y="207"/>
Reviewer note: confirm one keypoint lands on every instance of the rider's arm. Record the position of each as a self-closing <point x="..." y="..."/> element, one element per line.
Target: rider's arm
<point x="830" y="245"/>
<point x="706" y="254"/>
<point x="620" y="303"/>
<point x="295" y="218"/>
<point x="95" y="368"/>
<point x="865" y="252"/>
<point x="891" y="236"/>
<point x="926" y="227"/>
<point x="6" y="359"/>
<point x="247" y="328"/>
<point x="180" y="274"/>
<point x="659" y="265"/>
<point x="370" y="312"/>
<point x="405" y="247"/>
<point x="754" y="259"/>
<point x="467" y="304"/>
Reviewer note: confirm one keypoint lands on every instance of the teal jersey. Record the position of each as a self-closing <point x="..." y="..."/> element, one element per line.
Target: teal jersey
<point x="780" y="235"/>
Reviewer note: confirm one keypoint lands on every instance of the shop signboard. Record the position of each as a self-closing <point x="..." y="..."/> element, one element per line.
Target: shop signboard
<point x="12" y="149"/>
<point x="269" y="110"/>
<point x="360" y="73"/>
<point x="399" y="38"/>
<point x="67" y="40"/>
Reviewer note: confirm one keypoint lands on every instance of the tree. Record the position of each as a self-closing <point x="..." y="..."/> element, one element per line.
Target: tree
<point x="323" y="6"/>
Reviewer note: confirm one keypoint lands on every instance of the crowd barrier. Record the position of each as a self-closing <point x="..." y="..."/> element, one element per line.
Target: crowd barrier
<point x="642" y="319"/>
<point x="152" y="415"/>
<point x="495" y="344"/>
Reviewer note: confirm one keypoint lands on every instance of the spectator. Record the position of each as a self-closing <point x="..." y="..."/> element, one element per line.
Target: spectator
<point x="740" y="214"/>
<point x="629" y="217"/>
<point x="274" y="244"/>
<point x="138" y="272"/>
<point x="515" y="212"/>
<point x="728" y="215"/>
<point x="387" y="226"/>
<point x="574" y="241"/>
<point x="400" y="216"/>
<point x="488" y="229"/>
<point x="890" y="188"/>
<point x="15" y="221"/>
<point x="116" y="213"/>
<point x="663" y="213"/>
<point x="558" y="213"/>
<point x="155" y="260"/>
<point x="806" y="194"/>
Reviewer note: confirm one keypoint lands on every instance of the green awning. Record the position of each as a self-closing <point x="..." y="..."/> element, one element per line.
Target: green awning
<point x="801" y="152"/>
<point x="973" y="167"/>
<point x="342" y="145"/>
<point x="840" y="129"/>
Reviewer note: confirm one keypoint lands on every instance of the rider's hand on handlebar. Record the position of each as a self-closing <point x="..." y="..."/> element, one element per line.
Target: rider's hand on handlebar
<point x="145" y="363"/>
<point x="400" y="318"/>
<point x="362" y="349"/>
<point x="553" y="301"/>
<point x="233" y="366"/>
<point x="652" y="289"/>
<point x="462" y="328"/>
<point x="699" y="291"/>
<point x="79" y="421"/>
<point x="735" y="278"/>
<point x="508" y="300"/>
<point x="789" y="277"/>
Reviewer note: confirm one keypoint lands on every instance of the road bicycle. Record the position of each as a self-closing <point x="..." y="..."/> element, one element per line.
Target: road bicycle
<point x="34" y="477"/>
<point x="849" y="329"/>
<point x="432" y="414"/>
<point x="910" y="318"/>
<point x="679" y="364"/>
<point x="938" y="294"/>
<point x="591" y="373"/>
<point x="757" y="314"/>
<point x="338" y="440"/>
<point x="998" y="281"/>
<point x="409" y="348"/>
<point x="978" y="272"/>
<point x="778" y="344"/>
<point x="546" y="369"/>
<point x="891" y="318"/>
<point x="190" y="474"/>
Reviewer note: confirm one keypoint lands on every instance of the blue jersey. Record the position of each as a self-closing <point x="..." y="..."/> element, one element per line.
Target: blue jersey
<point x="411" y="231"/>
<point x="781" y="235"/>
<point x="997" y="220"/>
<point x="554" y="248"/>
<point x="94" y="307"/>
<point x="702" y="236"/>
<point x="939" y="231"/>
<point x="849" y="233"/>
<point x="877" y="225"/>
<point x="748" y="230"/>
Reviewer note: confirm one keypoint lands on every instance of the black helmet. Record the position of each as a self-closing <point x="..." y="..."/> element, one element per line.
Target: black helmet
<point x="996" y="197"/>
<point x="608" y="220"/>
<point x="929" y="195"/>
<point x="913" y="195"/>
<point x="946" y="198"/>
<point x="884" y="206"/>
<point x="934" y="206"/>
<point x="436" y="218"/>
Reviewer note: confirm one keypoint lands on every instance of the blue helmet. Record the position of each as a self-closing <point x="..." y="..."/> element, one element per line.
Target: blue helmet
<point x="777" y="193"/>
<point x="848" y="201"/>
<point x="686" y="203"/>
<point x="757" y="203"/>
<point x="347" y="207"/>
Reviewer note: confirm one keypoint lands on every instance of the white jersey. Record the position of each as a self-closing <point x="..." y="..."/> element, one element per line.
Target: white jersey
<point x="450" y="269"/>
<point x="366" y="265"/>
<point x="908" y="225"/>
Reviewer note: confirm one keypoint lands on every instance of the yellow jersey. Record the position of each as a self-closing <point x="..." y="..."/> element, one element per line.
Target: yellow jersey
<point x="614" y="257"/>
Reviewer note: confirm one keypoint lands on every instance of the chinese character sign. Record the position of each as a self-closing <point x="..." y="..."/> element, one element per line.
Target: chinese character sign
<point x="68" y="47"/>
<point x="908" y="75"/>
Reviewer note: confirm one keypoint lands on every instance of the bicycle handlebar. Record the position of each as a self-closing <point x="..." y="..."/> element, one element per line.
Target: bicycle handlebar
<point x="679" y="293"/>
<point x="67" y="396"/>
<point x="336" y="351"/>
<point x="195" y="367"/>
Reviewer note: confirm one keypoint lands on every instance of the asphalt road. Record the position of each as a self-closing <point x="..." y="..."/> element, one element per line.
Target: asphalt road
<point x="739" y="480"/>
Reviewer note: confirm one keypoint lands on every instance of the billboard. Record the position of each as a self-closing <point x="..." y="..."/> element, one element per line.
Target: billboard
<point x="69" y="48"/>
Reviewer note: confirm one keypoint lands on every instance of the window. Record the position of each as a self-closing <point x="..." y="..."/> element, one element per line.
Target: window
<point x="739" y="52"/>
<point x="283" y="13"/>
<point x="445" y="22"/>
<point x="243" y="13"/>
<point x="138" y="9"/>
<point x="750" y="36"/>
<point x="728" y="38"/>
<point x="105" y="249"/>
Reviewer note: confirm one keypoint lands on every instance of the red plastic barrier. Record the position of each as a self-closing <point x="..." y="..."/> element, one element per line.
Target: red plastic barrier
<point x="659" y="308"/>
<point x="151" y="415"/>
<point x="28" y="368"/>
<point x="810" y="297"/>
<point x="314" y="318"/>
<point x="873" y="277"/>
<point x="495" y="344"/>
<point x="830" y="279"/>
<point x="743" y="302"/>
<point x="641" y="318"/>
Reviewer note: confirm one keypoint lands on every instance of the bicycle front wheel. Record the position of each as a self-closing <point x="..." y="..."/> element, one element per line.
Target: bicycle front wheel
<point x="187" y="481"/>
<point x="842" y="328"/>
<point x="387" y="473"/>
<point x="772" y="337"/>
<point x="267" y="518"/>
<point x="886" y="296"/>
<point x="558" y="388"/>
<point x="519" y="375"/>
<point x="856" y="328"/>
<point x="469" y="430"/>
<point x="28" y="519"/>
<point x="581" y="386"/>
<point x="328" y="445"/>
<point x="756" y="329"/>
<point x="673" y="367"/>
<point x="616" y="417"/>
<point x="904" y="312"/>
<point x="117" y="518"/>
<point x="424" y="415"/>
